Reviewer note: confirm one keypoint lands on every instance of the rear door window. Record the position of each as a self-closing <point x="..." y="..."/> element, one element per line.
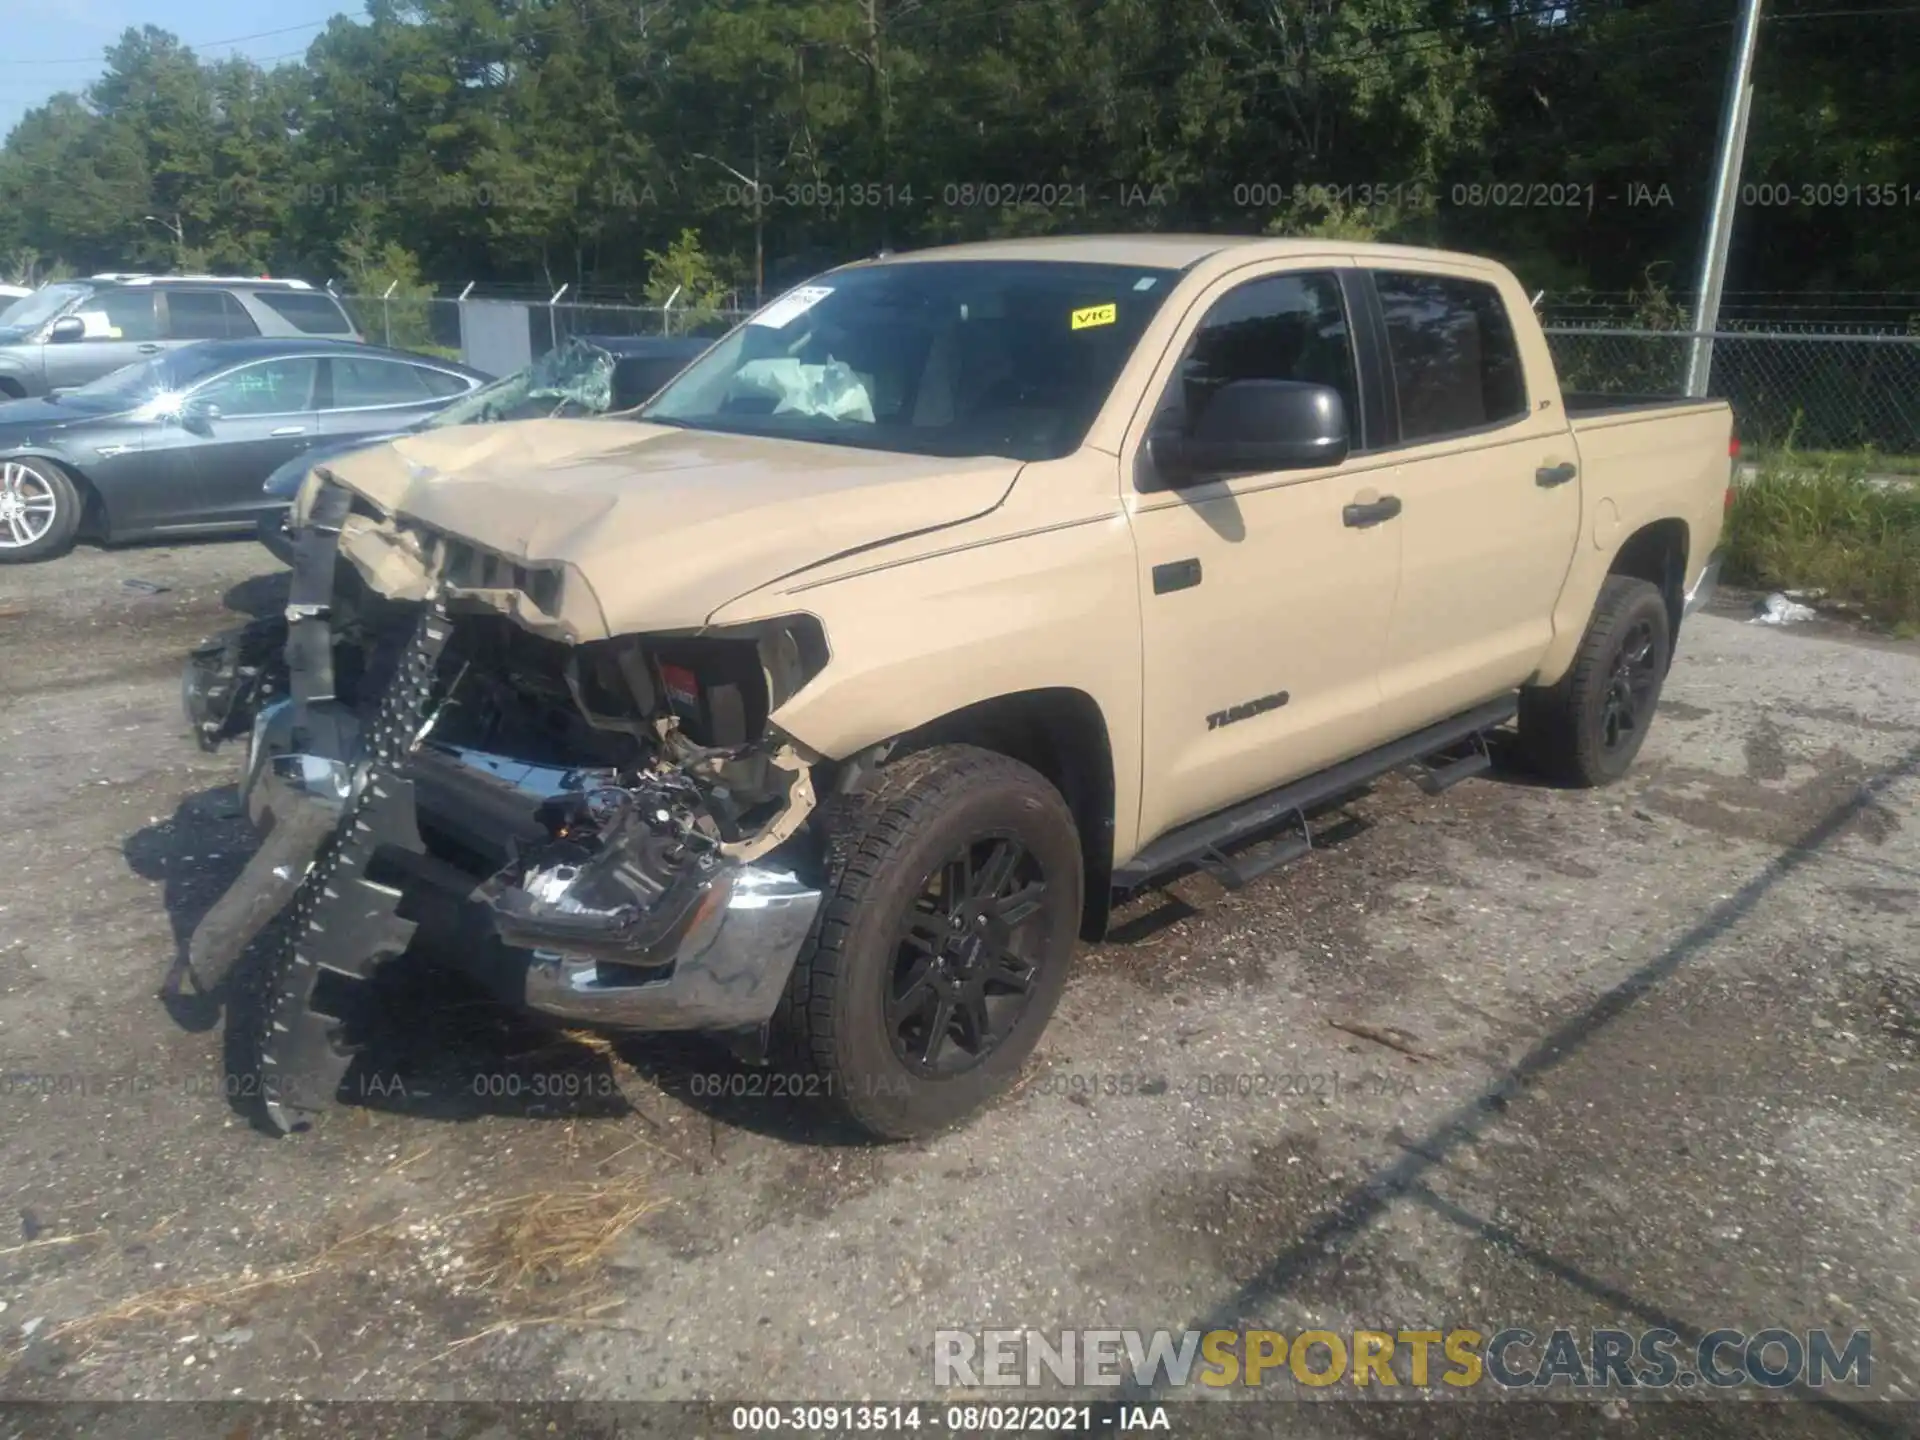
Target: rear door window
<point x="308" y="311"/>
<point x="207" y="315"/>
<point x="1456" y="364"/>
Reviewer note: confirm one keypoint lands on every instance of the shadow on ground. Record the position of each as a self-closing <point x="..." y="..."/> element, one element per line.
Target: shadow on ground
<point x="432" y="1042"/>
<point x="1332" y="1235"/>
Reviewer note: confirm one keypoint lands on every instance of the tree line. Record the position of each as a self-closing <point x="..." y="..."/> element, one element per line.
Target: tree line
<point x="631" y="146"/>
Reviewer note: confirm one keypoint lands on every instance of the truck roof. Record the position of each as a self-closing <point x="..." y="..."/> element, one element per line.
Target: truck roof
<point x="1170" y="251"/>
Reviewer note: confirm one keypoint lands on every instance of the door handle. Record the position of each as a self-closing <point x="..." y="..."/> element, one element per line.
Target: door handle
<point x="1547" y="476"/>
<point x="286" y="430"/>
<point x="1176" y="575"/>
<point x="148" y="349"/>
<point x="1359" y="516"/>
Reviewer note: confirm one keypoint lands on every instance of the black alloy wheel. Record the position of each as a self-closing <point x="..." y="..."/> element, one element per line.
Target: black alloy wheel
<point x="963" y="970"/>
<point x="1631" y="688"/>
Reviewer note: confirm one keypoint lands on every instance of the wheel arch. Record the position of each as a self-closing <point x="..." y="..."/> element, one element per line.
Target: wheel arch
<point x="93" y="506"/>
<point x="1657" y="552"/>
<point x="1060" y="732"/>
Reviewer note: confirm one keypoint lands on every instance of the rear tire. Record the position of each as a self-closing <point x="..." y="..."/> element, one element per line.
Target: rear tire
<point x="40" y="510"/>
<point x="1586" y="729"/>
<point x="910" y="1009"/>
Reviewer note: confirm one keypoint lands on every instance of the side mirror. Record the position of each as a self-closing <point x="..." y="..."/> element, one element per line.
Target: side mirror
<point x="66" y="330"/>
<point x="198" y="416"/>
<point x="1253" y="426"/>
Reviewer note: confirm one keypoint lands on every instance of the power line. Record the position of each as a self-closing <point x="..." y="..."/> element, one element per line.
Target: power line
<point x="193" y="45"/>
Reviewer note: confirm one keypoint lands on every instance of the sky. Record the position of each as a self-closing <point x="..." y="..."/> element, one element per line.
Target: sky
<point x="47" y="46"/>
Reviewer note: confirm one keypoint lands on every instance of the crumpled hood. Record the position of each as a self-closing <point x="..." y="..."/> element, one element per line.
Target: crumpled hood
<point x="662" y="525"/>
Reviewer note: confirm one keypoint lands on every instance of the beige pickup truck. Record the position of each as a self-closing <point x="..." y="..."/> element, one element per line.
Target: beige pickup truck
<point x="826" y="700"/>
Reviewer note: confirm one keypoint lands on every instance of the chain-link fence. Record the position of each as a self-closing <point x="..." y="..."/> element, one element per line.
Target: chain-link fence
<point x="1819" y="391"/>
<point x="432" y="324"/>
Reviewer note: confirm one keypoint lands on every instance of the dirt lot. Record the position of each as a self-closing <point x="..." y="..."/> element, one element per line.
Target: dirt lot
<point x="1667" y="1035"/>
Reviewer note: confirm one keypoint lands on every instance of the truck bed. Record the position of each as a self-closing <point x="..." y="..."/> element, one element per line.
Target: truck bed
<point x="1583" y="404"/>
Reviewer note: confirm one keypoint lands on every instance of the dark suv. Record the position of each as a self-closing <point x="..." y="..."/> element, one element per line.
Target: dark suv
<point x="74" y="331"/>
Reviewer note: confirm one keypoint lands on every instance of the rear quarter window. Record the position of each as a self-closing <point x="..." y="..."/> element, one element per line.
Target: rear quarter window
<point x="1456" y="364"/>
<point x="443" y="383"/>
<point x="307" y="311"/>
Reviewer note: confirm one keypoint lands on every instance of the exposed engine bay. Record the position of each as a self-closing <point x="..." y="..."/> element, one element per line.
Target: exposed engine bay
<point x="616" y="824"/>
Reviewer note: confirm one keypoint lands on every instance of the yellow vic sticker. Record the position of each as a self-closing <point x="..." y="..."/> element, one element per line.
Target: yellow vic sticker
<point x="1095" y="315"/>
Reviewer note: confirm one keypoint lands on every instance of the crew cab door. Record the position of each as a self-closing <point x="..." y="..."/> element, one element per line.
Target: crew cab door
<point x="1264" y="604"/>
<point x="1488" y="475"/>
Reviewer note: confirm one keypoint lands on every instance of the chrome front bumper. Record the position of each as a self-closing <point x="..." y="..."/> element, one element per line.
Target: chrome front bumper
<point x="724" y="971"/>
<point x="721" y="962"/>
<point x="1701" y="591"/>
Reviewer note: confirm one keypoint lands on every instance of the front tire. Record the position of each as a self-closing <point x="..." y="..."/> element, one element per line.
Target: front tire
<point x="1587" y="729"/>
<point x="953" y="903"/>
<point x="40" y="510"/>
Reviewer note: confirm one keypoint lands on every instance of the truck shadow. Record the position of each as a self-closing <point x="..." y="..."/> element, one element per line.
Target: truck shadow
<point x="195" y="854"/>
<point x="259" y="595"/>
<point x="437" y="1046"/>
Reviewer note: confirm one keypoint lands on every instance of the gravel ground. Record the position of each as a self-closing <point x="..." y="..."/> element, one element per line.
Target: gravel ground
<point x="1667" y="1036"/>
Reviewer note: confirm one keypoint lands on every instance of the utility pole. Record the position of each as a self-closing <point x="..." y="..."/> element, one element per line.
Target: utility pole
<point x="179" y="233"/>
<point x="883" y="120"/>
<point x="759" y="226"/>
<point x="1726" y="200"/>
<point x="759" y="212"/>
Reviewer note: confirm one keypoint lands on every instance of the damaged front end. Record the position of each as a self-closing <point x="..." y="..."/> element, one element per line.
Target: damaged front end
<point x="610" y="833"/>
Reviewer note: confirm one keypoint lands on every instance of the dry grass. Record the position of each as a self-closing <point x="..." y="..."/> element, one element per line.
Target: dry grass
<point x="524" y="1244"/>
<point x="550" y="1236"/>
<point x="170" y="1302"/>
<point x="53" y="1240"/>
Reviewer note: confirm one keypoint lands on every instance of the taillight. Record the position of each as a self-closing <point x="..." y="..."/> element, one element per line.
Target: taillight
<point x="1733" y="446"/>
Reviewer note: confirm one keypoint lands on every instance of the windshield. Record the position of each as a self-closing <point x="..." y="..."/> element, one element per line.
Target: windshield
<point x="41" y="306"/>
<point x="575" y="378"/>
<point x="948" y="357"/>
<point x="132" y="386"/>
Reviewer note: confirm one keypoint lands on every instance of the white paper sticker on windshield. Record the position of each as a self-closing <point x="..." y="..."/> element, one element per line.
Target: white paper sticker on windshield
<point x="791" y="306"/>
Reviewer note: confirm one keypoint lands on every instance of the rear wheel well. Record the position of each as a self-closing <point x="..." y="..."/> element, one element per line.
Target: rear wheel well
<point x="1657" y="553"/>
<point x="1062" y="734"/>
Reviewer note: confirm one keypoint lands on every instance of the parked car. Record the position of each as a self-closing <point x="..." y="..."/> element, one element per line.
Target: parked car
<point x="949" y="597"/>
<point x="75" y="331"/>
<point x="10" y="296"/>
<point x="585" y="375"/>
<point x="183" y="441"/>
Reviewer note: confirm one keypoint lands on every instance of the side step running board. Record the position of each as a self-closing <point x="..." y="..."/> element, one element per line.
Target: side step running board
<point x="1438" y="773"/>
<point x="1435" y="752"/>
